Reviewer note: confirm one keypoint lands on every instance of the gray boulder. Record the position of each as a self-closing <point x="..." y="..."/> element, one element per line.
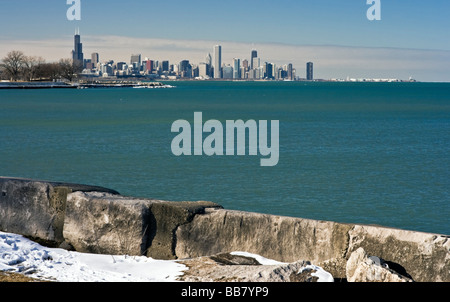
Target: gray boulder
<point x="104" y="223"/>
<point x="228" y="267"/>
<point x="364" y="268"/>
<point x="35" y="208"/>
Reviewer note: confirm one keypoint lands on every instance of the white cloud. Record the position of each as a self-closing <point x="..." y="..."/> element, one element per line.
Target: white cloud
<point x="329" y="61"/>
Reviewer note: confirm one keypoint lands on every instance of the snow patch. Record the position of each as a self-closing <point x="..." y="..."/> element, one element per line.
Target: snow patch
<point x="18" y="254"/>
<point x="21" y="255"/>
<point x="260" y="259"/>
<point x="323" y="275"/>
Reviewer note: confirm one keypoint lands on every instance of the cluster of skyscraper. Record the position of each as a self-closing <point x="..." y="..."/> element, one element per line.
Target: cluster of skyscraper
<point x="242" y="70"/>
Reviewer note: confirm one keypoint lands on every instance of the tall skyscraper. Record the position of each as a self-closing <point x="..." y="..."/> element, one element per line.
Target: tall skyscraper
<point x="165" y="65"/>
<point x="209" y="68"/>
<point x="203" y="70"/>
<point x="95" y="58"/>
<point x="268" y="70"/>
<point x="309" y="71"/>
<point x="217" y="62"/>
<point x="256" y="62"/>
<point x="290" y="71"/>
<point x="149" y="66"/>
<point x="77" y="53"/>
<point x="185" y="69"/>
<point x="136" y="61"/>
<point x="236" y="68"/>
<point x="208" y="59"/>
<point x="245" y="64"/>
<point x="253" y="56"/>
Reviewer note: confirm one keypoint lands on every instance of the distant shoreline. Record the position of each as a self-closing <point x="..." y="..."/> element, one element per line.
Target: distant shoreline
<point x="159" y="83"/>
<point x="82" y="85"/>
<point x="37" y="87"/>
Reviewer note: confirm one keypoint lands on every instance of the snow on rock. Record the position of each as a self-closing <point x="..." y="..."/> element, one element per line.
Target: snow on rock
<point x="320" y="273"/>
<point x="18" y="254"/>
<point x="364" y="268"/>
<point x="21" y="255"/>
<point x="316" y="271"/>
<point x="247" y="267"/>
<point x="260" y="259"/>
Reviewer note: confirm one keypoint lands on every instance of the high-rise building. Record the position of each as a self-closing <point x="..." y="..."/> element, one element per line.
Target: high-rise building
<point x="309" y="71"/>
<point x="95" y="58"/>
<point x="236" y="68"/>
<point x="203" y="70"/>
<point x="194" y="71"/>
<point x="245" y="64"/>
<point x="121" y="65"/>
<point x="227" y="72"/>
<point x="253" y="56"/>
<point x="255" y="63"/>
<point x="165" y="66"/>
<point x="88" y="64"/>
<point x="268" y="70"/>
<point x="217" y="62"/>
<point x="275" y="71"/>
<point x="185" y="69"/>
<point x="209" y="66"/>
<point x="290" y="71"/>
<point x="136" y="62"/>
<point x="208" y="59"/>
<point x="244" y="73"/>
<point x="149" y="66"/>
<point x="77" y="53"/>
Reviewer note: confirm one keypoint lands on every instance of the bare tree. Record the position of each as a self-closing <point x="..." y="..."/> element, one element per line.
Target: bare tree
<point x="69" y="68"/>
<point x="13" y="64"/>
<point x="49" y="71"/>
<point x="32" y="66"/>
<point x="16" y="66"/>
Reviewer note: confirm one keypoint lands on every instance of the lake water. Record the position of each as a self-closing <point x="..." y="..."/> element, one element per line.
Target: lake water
<point x="372" y="153"/>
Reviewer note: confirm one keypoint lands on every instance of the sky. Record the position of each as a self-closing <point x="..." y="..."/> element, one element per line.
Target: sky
<point x="411" y="39"/>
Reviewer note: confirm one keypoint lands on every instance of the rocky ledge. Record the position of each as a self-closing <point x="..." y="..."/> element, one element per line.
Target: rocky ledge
<point x="203" y="236"/>
<point x="243" y="267"/>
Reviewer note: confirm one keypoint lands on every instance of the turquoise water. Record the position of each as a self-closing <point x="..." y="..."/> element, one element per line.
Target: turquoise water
<point x="373" y="153"/>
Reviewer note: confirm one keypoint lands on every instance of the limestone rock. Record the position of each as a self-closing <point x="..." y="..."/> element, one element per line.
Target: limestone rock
<point x="104" y="223"/>
<point x="36" y="208"/>
<point x="166" y="218"/>
<point x="226" y="267"/>
<point x="364" y="268"/>
<point x="425" y="256"/>
<point x="107" y="224"/>
<point x="262" y="234"/>
<point x="95" y="219"/>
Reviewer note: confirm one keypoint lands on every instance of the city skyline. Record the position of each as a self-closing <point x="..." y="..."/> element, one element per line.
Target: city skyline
<point x="207" y="69"/>
<point x="409" y="40"/>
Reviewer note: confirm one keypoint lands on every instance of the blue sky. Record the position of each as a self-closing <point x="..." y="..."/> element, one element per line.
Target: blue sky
<point x="405" y="24"/>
